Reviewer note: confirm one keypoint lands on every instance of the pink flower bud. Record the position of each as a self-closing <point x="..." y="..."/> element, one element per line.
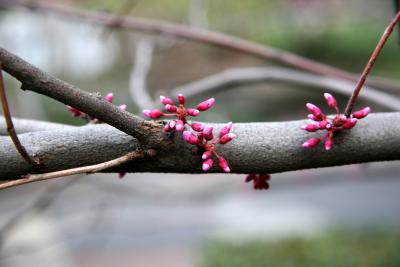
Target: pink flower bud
<point x="122" y="107"/>
<point x="227" y="138"/>
<point x="170" y="108"/>
<point x="193" y="112"/>
<point x="181" y="99"/>
<point x="180" y="126"/>
<point x="190" y="138"/>
<point x="166" y="100"/>
<point x="153" y="113"/>
<point x="342" y="118"/>
<point x="328" y="143"/>
<point x="225" y="130"/>
<point x="109" y="97"/>
<point x="206" y="155"/>
<point x="350" y="123"/>
<point x="312" y="127"/>
<point x="206" y="104"/>
<point x="362" y="113"/>
<point x="313" y="142"/>
<point x="207" y="164"/>
<point x="167" y="128"/>
<point x="330" y="100"/>
<point x="172" y="124"/>
<point x="316" y="111"/>
<point x="324" y="125"/>
<point x="223" y="164"/>
<point x="208" y="132"/>
<point x="75" y="112"/>
<point x="198" y="127"/>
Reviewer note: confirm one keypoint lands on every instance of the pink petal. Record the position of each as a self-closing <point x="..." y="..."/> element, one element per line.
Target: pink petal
<point x="109" y="97"/>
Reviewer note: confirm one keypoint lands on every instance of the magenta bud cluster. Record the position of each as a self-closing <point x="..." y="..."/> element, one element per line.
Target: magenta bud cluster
<point x="260" y="180"/>
<point x="195" y="133"/>
<point x="330" y="124"/>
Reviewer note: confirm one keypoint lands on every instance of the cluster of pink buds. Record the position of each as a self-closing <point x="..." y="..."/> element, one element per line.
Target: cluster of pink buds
<point x="330" y="124"/>
<point x="204" y="138"/>
<point x="77" y="113"/>
<point x="260" y="180"/>
<point x="180" y="112"/>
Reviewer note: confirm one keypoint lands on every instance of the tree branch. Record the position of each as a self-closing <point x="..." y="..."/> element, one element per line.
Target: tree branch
<point x="93" y="104"/>
<point x="260" y="148"/>
<point x="186" y="32"/>
<point x="86" y="169"/>
<point x="229" y="78"/>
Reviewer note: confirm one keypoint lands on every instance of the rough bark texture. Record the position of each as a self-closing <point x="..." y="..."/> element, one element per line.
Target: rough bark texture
<point x="260" y="147"/>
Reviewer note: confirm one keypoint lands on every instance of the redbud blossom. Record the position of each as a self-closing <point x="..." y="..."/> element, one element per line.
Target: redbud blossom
<point x="225" y="130"/>
<point x="75" y="112"/>
<point x="311" y="142"/>
<point x="153" y="113"/>
<point x="350" y="123"/>
<point x="330" y="100"/>
<point x="328" y="142"/>
<point x="171" y="108"/>
<point x="193" y="112"/>
<point x="181" y="99"/>
<point x="223" y="164"/>
<point x="226" y="138"/>
<point x="190" y="138"/>
<point x="312" y="127"/>
<point x="208" y="132"/>
<point x="362" y="113"/>
<point x="207" y="164"/>
<point x="122" y="107"/>
<point x="166" y="100"/>
<point x="316" y="111"/>
<point x="109" y="97"/>
<point x="180" y="125"/>
<point x="206" y="104"/>
<point x="206" y="155"/>
<point x="198" y="127"/>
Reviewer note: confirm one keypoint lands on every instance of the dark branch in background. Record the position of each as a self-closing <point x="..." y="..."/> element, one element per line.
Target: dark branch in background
<point x="10" y="127"/>
<point x="229" y="78"/>
<point x="370" y="64"/>
<point x="40" y="82"/>
<point x="86" y="169"/>
<point x="190" y="33"/>
<point x="261" y="148"/>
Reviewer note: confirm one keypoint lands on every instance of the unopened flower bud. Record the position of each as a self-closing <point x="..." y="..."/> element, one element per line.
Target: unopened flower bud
<point x="198" y="127"/>
<point x="311" y="142"/>
<point x="330" y="100"/>
<point x="170" y="108"/>
<point x="328" y="143"/>
<point x="225" y="130"/>
<point x="168" y="128"/>
<point x="206" y="155"/>
<point x="172" y="124"/>
<point x="153" y="113"/>
<point x="166" y="100"/>
<point x="227" y="138"/>
<point x="362" y="113"/>
<point x="122" y="107"/>
<point x="312" y="127"/>
<point x="207" y="164"/>
<point x="181" y="99"/>
<point x="316" y="111"/>
<point x="180" y="126"/>
<point x="350" y="123"/>
<point x="190" y="138"/>
<point x="208" y="132"/>
<point x="109" y="97"/>
<point x="75" y="112"/>
<point x="193" y="112"/>
<point x="206" y="104"/>
<point x="223" y="164"/>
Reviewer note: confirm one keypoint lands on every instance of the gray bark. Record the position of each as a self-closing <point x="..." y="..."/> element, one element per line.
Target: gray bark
<point x="260" y="147"/>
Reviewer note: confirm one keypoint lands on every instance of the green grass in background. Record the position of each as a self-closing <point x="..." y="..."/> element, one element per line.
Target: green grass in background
<point x="336" y="249"/>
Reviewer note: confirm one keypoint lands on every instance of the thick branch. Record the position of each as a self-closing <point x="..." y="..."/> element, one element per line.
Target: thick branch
<point x="93" y="104"/>
<point x="260" y="147"/>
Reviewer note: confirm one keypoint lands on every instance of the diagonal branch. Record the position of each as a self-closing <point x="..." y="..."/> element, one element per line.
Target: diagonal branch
<point x="10" y="127"/>
<point x="86" y="169"/>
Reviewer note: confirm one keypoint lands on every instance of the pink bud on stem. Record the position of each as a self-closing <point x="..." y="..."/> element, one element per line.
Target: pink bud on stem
<point x="362" y="113"/>
<point x="330" y="100"/>
<point x="225" y="130"/>
<point x="190" y="138"/>
<point x="206" y="104"/>
<point x="166" y="100"/>
<point x="153" y="113"/>
<point x="181" y="99"/>
<point x="109" y="97"/>
<point x="207" y="164"/>
<point x="227" y="138"/>
<point x="223" y="164"/>
<point x="193" y="112"/>
<point x="207" y="132"/>
<point x="313" y="142"/>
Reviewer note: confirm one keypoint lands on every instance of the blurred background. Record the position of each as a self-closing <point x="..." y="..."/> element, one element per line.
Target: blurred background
<point x="342" y="216"/>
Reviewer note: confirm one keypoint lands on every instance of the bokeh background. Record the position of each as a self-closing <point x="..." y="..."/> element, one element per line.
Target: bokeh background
<point x="344" y="216"/>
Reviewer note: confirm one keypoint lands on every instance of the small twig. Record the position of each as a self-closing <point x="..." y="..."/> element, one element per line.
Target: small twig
<point x="10" y="126"/>
<point x="370" y="63"/>
<point x="137" y="84"/>
<point x="86" y="169"/>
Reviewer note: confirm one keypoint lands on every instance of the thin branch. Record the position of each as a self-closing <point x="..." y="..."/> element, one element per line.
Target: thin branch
<point x="230" y="78"/>
<point x="185" y="32"/>
<point x="370" y="64"/>
<point x="140" y="69"/>
<point x="40" y="82"/>
<point x="87" y="169"/>
<point x="261" y="147"/>
<point x="10" y="126"/>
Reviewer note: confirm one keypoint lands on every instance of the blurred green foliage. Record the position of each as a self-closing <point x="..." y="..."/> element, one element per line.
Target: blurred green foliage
<point x="336" y="249"/>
